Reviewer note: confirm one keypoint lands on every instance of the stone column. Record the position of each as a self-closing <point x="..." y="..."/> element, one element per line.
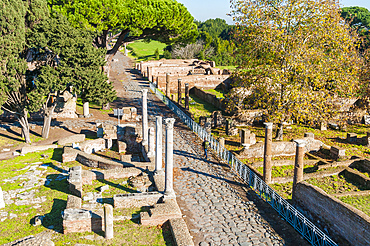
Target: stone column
<point x="145" y="118"/>
<point x="186" y="96"/>
<point x="267" y="165"/>
<point x="108" y="221"/>
<point x="151" y="137"/>
<point x="179" y="91"/>
<point x="2" y="203"/>
<point x="86" y="109"/>
<point x="167" y="85"/>
<point x="168" y="190"/>
<point x="298" y="166"/>
<point x="158" y="145"/>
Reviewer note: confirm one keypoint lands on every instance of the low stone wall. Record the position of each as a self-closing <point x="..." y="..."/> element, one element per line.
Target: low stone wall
<point x="161" y="213"/>
<point x="366" y="165"/>
<point x="279" y="148"/>
<point x="76" y="138"/>
<point x="136" y="200"/>
<point x="71" y="154"/>
<point x="208" y="97"/>
<point x="73" y="202"/>
<point x="30" y="149"/>
<point x="340" y="218"/>
<point x="322" y="174"/>
<point x="180" y="232"/>
<point x="89" y="176"/>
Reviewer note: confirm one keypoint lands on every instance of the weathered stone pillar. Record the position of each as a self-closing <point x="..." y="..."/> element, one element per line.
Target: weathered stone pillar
<point x="298" y="166"/>
<point x="108" y="221"/>
<point x="168" y="191"/>
<point x="2" y="203"/>
<point x="267" y="165"/>
<point x="145" y="118"/>
<point x="179" y="92"/>
<point x="86" y="109"/>
<point x="167" y="85"/>
<point x="186" y="96"/>
<point x="151" y="138"/>
<point x="158" y="145"/>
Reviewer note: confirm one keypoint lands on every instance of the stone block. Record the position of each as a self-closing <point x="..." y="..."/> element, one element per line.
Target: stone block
<point x="30" y="149"/>
<point x="76" y="220"/>
<point x="221" y="140"/>
<point x="180" y="232"/>
<point x="122" y="146"/>
<point x="92" y="146"/>
<point x="104" y="188"/>
<point x="309" y="135"/>
<point x="352" y="138"/>
<point x="72" y="139"/>
<point x="367" y="119"/>
<point x="73" y="202"/>
<point x="337" y="152"/>
<point x="136" y="200"/>
<point x="2" y="203"/>
<point x="161" y="213"/>
<point x="125" y="158"/>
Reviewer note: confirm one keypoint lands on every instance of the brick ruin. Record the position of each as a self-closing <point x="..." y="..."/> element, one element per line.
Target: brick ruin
<point x="202" y="74"/>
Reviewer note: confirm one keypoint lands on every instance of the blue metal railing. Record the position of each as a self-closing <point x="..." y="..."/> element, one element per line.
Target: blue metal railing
<point x="305" y="227"/>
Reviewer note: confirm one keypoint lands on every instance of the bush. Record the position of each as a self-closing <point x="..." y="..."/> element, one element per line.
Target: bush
<point x="167" y="54"/>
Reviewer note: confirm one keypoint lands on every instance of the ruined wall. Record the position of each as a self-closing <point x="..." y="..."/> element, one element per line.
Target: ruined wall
<point x="208" y="97"/>
<point x="341" y="219"/>
<point x="200" y="81"/>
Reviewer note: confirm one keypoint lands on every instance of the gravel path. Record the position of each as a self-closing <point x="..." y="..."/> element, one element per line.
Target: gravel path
<point x="217" y="208"/>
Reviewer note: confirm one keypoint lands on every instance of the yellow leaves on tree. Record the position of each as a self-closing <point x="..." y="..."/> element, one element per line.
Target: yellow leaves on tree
<point x="298" y="56"/>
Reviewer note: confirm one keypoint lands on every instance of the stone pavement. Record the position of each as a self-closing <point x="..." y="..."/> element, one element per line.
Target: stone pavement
<point x="216" y="207"/>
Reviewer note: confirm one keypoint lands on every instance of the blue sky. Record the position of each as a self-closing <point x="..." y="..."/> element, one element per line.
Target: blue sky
<point x="210" y="9"/>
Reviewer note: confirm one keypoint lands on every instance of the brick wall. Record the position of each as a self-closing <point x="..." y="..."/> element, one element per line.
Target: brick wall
<point x="200" y="81"/>
<point x="208" y="97"/>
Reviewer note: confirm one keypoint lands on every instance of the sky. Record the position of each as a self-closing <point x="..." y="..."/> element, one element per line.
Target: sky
<point x="210" y="9"/>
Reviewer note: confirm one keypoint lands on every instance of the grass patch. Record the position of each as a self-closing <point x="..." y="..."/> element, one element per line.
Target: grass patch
<point x="217" y="92"/>
<point x="143" y="51"/>
<point x="336" y="184"/>
<point x="227" y="67"/>
<point x="284" y="190"/>
<point x="360" y="202"/>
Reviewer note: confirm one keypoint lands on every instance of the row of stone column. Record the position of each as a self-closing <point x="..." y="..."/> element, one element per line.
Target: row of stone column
<point x="155" y="147"/>
<point x="267" y="164"/>
<point x="179" y="91"/>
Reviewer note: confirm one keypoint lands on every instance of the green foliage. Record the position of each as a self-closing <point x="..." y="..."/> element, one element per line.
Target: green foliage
<point x="71" y="60"/>
<point x="156" y="54"/>
<point x="164" y="20"/>
<point x="298" y="57"/>
<point x="215" y="28"/>
<point x="359" y="18"/>
<point x="167" y="54"/>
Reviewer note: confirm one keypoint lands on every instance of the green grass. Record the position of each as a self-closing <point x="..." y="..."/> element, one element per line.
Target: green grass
<point x="336" y="184"/>
<point x="227" y="67"/>
<point x="360" y="202"/>
<point x="284" y="190"/>
<point x="116" y="186"/>
<point x="92" y="105"/>
<point x="142" y="51"/>
<point x="217" y="93"/>
<point x="198" y="107"/>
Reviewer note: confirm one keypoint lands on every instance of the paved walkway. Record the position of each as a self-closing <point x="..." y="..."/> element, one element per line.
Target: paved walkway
<point x="217" y="208"/>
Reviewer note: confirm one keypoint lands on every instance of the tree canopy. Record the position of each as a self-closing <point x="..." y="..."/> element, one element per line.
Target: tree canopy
<point x="298" y="57"/>
<point x="162" y="20"/>
<point x="359" y="19"/>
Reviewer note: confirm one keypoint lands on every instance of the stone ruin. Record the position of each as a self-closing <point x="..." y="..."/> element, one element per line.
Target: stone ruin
<point x="66" y="105"/>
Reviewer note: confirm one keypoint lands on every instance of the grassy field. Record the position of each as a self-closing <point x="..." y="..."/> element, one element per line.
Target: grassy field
<point x="142" y="51"/>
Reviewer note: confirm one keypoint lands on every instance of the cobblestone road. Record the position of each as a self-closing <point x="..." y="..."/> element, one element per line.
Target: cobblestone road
<point x="218" y="210"/>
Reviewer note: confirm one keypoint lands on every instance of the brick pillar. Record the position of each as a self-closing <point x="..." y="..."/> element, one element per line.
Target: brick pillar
<point x="186" y="96"/>
<point x="267" y="165"/>
<point x="167" y="85"/>
<point x="222" y="141"/>
<point x="298" y="166"/>
<point x="108" y="221"/>
<point x="145" y="118"/>
<point x="179" y="91"/>
<point x="168" y="190"/>
<point x="158" y="145"/>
